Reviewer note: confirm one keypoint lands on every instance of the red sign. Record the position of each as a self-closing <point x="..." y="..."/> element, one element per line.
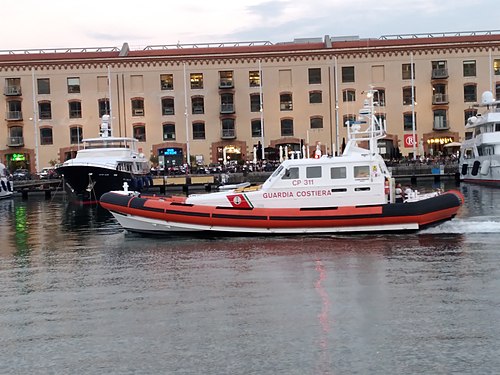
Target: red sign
<point x="410" y="140"/>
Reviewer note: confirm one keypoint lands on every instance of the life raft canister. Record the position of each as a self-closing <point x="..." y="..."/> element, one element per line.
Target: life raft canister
<point x="475" y="168"/>
<point x="465" y="167"/>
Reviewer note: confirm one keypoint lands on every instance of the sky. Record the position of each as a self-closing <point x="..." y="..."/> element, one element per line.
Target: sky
<point x="35" y="24"/>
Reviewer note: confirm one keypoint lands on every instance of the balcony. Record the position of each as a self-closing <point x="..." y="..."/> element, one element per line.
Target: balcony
<point x="138" y="112"/>
<point x="228" y="134"/>
<point x="46" y="115"/>
<point x="227" y="108"/>
<point x="12" y="90"/>
<point x="166" y="111"/>
<point x="440" y="99"/>
<point x="441" y="73"/>
<point x="14" y="115"/>
<point x="198" y="110"/>
<point x="440" y="124"/>
<point x="226" y="84"/>
<point x="15" y="141"/>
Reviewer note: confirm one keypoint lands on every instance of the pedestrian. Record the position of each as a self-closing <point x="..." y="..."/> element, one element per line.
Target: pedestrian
<point x="398" y="194"/>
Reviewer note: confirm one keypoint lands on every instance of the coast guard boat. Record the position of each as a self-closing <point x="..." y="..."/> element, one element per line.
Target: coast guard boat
<point x="480" y="151"/>
<point x="104" y="164"/>
<point x="6" y="188"/>
<point x="350" y="193"/>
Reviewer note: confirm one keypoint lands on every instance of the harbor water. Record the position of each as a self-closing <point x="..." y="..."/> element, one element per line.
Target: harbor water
<point x="80" y="295"/>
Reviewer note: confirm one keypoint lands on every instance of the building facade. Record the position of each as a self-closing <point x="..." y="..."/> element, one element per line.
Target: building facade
<point x="217" y="103"/>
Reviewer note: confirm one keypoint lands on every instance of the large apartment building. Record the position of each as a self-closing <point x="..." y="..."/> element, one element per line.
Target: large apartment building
<point x="211" y="103"/>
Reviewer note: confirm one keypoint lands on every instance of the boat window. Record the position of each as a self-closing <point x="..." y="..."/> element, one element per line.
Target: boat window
<point x="291" y="174"/>
<point x="468" y="153"/>
<point x="364" y="188"/>
<point x="362" y="171"/>
<point x="468" y="135"/>
<point x="339" y="190"/>
<point x="497" y="126"/>
<point x="338" y="173"/>
<point x="277" y="171"/>
<point x="313" y="172"/>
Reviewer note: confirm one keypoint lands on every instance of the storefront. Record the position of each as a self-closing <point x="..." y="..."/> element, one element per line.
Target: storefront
<point x="170" y="156"/>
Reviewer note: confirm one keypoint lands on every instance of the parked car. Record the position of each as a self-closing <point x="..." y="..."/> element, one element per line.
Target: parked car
<point x="21" y="174"/>
<point x="48" y="173"/>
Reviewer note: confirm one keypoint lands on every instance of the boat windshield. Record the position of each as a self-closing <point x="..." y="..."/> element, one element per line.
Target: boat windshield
<point x="111" y="143"/>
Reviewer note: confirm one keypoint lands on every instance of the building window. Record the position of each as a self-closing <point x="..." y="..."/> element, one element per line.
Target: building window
<point x="286" y="103"/>
<point x="440" y="121"/>
<point x="468" y="113"/>
<point x="348" y="119"/>
<point x="14" y="110"/>
<point x="44" y="110"/>
<point x="408" y="121"/>
<point x="75" y="109"/>
<point x="167" y="106"/>
<point x="227" y="103"/>
<point x="406" y="69"/>
<point x="196" y="80"/>
<point x="198" y="130"/>
<point x="407" y="100"/>
<point x="256" y="129"/>
<point x="226" y="79"/>
<point x="349" y="95"/>
<point x="287" y="127"/>
<point x="254" y="102"/>
<point x="316" y="122"/>
<point x="315" y="97"/>
<point x="347" y="74"/>
<point x="139" y="132"/>
<point x="138" y="107"/>
<point x="198" y="105"/>
<point x="439" y="95"/>
<point x="16" y="136"/>
<point x="168" y="132"/>
<point x="497" y="91"/>
<point x="254" y="78"/>
<point x="314" y="76"/>
<point x="167" y="81"/>
<point x="439" y="69"/>
<point x="470" y="93"/>
<point x="73" y="85"/>
<point x="470" y="68"/>
<point x="379" y="97"/>
<point x="43" y="86"/>
<point x="75" y="134"/>
<point x="228" y="128"/>
<point x="13" y="86"/>
<point x="104" y="108"/>
<point x="46" y="136"/>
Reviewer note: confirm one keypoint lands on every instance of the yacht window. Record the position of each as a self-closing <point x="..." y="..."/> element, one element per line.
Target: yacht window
<point x="497" y="126"/>
<point x="364" y="188"/>
<point x="362" y="171"/>
<point x="338" y="173"/>
<point x="468" y="154"/>
<point x="277" y="171"/>
<point x="313" y="172"/>
<point x="291" y="174"/>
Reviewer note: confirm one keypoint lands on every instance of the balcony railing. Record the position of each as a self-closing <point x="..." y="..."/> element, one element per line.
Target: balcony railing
<point x="198" y="110"/>
<point x="12" y="90"/>
<point x="226" y="84"/>
<point x="14" y="115"/>
<point x="168" y="111"/>
<point x="227" y="108"/>
<point x="46" y="115"/>
<point x="138" y="112"/>
<point x="439" y="73"/>
<point x="228" y="134"/>
<point x="441" y="124"/>
<point x="15" y="141"/>
<point x="440" y="99"/>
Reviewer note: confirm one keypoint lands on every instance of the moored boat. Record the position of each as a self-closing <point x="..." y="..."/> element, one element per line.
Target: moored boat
<point x="6" y="186"/>
<point x="480" y="151"/>
<point x="353" y="192"/>
<point x="104" y="164"/>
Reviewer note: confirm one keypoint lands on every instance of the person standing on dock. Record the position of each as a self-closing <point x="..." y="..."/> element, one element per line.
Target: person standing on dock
<point x="398" y="194"/>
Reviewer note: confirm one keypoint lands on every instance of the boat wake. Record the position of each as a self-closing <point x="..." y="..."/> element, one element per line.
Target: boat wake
<point x="482" y="224"/>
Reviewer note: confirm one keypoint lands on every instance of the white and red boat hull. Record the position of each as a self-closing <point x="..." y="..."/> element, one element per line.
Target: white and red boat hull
<point x="157" y="214"/>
